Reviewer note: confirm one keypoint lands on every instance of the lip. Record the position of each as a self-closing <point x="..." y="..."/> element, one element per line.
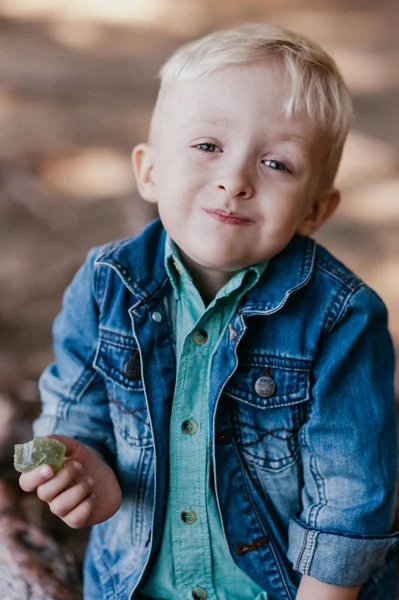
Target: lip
<point x="227" y="216"/>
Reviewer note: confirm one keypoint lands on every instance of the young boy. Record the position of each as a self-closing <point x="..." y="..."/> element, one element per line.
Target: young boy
<point x="224" y="386"/>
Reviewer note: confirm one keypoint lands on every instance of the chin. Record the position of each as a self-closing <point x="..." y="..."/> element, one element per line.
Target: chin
<point x="222" y="264"/>
<point x="219" y="254"/>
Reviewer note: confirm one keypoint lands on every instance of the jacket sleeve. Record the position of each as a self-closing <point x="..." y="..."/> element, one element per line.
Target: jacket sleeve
<point x="349" y="451"/>
<point x="74" y="398"/>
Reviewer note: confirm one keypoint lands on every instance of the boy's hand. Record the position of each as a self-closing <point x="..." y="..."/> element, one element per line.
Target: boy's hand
<point x="83" y="492"/>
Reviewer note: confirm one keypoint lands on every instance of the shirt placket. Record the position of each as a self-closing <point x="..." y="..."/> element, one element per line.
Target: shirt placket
<point x="190" y="467"/>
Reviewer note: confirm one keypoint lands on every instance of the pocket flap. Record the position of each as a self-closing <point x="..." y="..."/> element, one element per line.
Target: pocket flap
<point x="117" y="358"/>
<point x="270" y="381"/>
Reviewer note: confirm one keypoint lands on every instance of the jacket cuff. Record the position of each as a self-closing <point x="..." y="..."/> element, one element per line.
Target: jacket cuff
<point x="338" y="558"/>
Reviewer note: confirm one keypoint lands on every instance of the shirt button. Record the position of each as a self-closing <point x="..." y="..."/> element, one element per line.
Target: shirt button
<point x="157" y="317"/>
<point x="189" y="516"/>
<point x="265" y="387"/>
<point x="200" y="336"/>
<point x="190" y="426"/>
<point x="198" y="593"/>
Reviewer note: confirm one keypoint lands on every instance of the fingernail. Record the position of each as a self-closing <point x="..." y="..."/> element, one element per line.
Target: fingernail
<point x="46" y="471"/>
<point x="76" y="465"/>
<point x="90" y="481"/>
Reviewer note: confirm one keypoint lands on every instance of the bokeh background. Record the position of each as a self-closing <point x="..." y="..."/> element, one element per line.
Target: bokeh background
<point x="77" y="85"/>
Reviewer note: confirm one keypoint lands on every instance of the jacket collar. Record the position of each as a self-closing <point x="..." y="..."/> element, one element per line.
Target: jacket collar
<point x="139" y="262"/>
<point x="287" y="272"/>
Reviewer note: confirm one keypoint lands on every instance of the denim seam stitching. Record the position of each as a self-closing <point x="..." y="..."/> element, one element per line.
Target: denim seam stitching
<point x="271" y="432"/>
<point x="313" y="511"/>
<point x="126" y="279"/>
<point x="83" y="381"/>
<point x="88" y="383"/>
<point x="139" y="500"/>
<point x="351" y="281"/>
<point x="75" y="394"/>
<point x="270" y="465"/>
<point x="96" y="275"/>
<point x="297" y="399"/>
<point x="313" y="535"/>
<point x="261" y="526"/>
<point x="334" y="307"/>
<point x="108" y="565"/>
<point x="344" y="305"/>
<point x="101" y="284"/>
<point x="270" y="362"/>
<point x="301" y="550"/>
<point x="116" y="338"/>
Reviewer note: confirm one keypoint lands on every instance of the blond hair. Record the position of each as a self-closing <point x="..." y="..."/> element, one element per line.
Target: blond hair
<point x="313" y="82"/>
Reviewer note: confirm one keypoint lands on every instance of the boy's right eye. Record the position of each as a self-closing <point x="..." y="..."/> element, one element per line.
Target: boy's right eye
<point x="208" y="147"/>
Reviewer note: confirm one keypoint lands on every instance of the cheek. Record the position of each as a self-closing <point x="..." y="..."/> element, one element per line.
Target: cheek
<point x="281" y="223"/>
<point x="284" y="210"/>
<point x="178" y="177"/>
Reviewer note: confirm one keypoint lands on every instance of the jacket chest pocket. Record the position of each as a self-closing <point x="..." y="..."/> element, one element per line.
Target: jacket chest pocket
<point x="118" y="361"/>
<point x="268" y="400"/>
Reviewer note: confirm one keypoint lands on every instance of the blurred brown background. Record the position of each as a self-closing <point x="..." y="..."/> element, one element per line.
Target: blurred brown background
<point x="77" y="85"/>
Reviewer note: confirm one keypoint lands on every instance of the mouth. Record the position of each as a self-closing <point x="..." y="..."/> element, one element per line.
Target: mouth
<point x="227" y="216"/>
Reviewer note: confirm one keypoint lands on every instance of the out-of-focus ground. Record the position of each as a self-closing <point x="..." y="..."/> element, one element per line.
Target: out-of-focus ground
<point x="77" y="85"/>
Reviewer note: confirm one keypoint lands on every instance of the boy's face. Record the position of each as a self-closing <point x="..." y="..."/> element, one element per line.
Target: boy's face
<point x="234" y="179"/>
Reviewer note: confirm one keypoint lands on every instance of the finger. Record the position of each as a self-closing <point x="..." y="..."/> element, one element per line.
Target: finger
<point x="71" y="444"/>
<point x="71" y="498"/>
<point x="30" y="481"/>
<point x="82" y="515"/>
<point x="61" y="481"/>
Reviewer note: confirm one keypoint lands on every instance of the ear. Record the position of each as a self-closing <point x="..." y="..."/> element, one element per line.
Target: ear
<point x="143" y="167"/>
<point x="321" y="210"/>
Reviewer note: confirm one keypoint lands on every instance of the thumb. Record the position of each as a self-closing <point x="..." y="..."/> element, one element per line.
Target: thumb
<point x="75" y="450"/>
<point x="72" y="445"/>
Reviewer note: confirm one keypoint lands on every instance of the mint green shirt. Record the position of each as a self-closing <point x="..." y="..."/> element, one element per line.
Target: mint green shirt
<point x="194" y="560"/>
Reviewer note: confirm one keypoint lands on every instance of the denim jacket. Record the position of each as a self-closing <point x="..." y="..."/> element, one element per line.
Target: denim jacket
<point x="301" y="412"/>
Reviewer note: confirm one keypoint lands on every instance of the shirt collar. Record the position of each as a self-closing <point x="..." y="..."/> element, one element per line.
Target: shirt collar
<point x="175" y="269"/>
<point x="140" y="264"/>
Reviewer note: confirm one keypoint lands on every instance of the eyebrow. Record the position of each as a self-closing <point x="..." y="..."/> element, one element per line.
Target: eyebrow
<point x="217" y="121"/>
<point x="296" y="139"/>
<point x="224" y="121"/>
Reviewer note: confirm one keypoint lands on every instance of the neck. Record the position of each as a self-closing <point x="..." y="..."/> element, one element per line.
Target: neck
<point x="207" y="281"/>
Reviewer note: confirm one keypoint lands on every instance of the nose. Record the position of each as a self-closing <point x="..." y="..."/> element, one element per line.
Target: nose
<point x="237" y="183"/>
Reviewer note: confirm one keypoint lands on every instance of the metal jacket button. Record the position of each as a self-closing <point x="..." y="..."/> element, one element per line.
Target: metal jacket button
<point x="132" y="366"/>
<point x="190" y="426"/>
<point x="198" y="593"/>
<point x="157" y="317"/>
<point x="265" y="387"/>
<point x="200" y="336"/>
<point x="189" y="516"/>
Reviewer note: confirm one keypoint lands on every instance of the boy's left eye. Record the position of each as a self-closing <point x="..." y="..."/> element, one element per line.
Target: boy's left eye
<point x="208" y="147"/>
<point x="276" y="165"/>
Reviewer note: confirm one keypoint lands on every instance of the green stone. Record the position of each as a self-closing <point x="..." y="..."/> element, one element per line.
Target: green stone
<point x="39" y="451"/>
